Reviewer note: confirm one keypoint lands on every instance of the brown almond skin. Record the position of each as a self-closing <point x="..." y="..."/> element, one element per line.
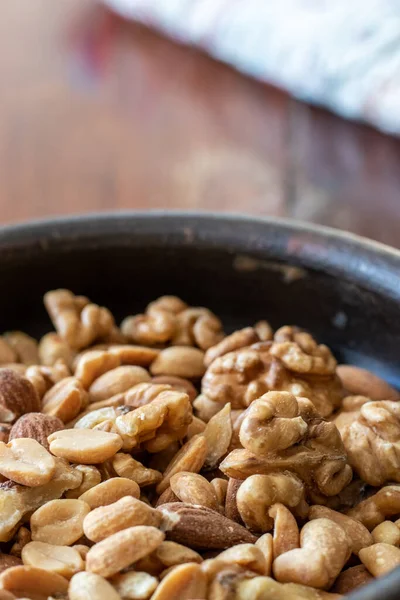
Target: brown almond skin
<point x="17" y="396"/>
<point x="37" y="426"/>
<point x="5" y="429"/>
<point x="361" y="382"/>
<point x="7" y="561"/>
<point x="202" y="528"/>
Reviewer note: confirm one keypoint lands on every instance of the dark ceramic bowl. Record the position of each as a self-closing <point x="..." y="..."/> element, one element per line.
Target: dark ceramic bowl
<point x="343" y="288"/>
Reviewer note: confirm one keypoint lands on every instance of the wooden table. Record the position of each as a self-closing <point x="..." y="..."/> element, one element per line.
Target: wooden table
<point x="98" y="114"/>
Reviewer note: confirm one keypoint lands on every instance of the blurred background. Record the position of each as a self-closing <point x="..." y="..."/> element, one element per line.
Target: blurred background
<point x="102" y="112"/>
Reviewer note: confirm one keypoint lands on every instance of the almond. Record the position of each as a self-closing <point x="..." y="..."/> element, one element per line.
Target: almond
<point x="17" y="396"/>
<point x="5" y="429"/>
<point x="200" y="527"/>
<point x="36" y="426"/>
<point x="7" y="561"/>
<point x="360" y="382"/>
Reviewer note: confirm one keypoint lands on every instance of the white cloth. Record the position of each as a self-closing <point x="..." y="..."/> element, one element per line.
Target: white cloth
<point x="343" y="54"/>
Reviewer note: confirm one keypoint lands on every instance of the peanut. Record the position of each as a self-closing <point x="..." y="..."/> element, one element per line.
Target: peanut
<point x="104" y="521"/>
<point x="59" y="522"/>
<point x="57" y="559"/>
<point x="88" y="586"/>
<point x="25" y="461"/>
<point x="110" y="491"/>
<point x="121" y="549"/>
<point x="86" y="446"/>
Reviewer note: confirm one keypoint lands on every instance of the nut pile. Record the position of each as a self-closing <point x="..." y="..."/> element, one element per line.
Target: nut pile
<point x="165" y="460"/>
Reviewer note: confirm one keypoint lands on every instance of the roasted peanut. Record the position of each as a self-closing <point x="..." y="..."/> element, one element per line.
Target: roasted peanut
<point x="286" y="532"/>
<point x="88" y="586"/>
<point x="358" y="535"/>
<point x="190" y="458"/>
<point x="90" y="478"/>
<point x="218" y="434"/>
<point x="179" y="361"/>
<point x="121" y="549"/>
<point x="380" y="558"/>
<point x="117" y="381"/>
<point x="25" y="461"/>
<point x="375" y="509"/>
<point x="110" y="491"/>
<point x="25" y="347"/>
<point x="57" y="559"/>
<point x="323" y="553"/>
<point x="184" y="582"/>
<point x="32" y="582"/>
<point x="59" y="522"/>
<point x="104" y="521"/>
<point x="86" y="446"/>
<point x="53" y="348"/>
<point x="386" y="532"/>
<point x="65" y="399"/>
<point x="134" y="585"/>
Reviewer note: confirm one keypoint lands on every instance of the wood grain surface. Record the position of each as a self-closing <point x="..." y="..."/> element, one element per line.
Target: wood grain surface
<point x="99" y="114"/>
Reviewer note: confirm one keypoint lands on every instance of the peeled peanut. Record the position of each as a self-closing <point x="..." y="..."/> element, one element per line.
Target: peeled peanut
<point x="121" y="549"/>
<point x="380" y="558"/>
<point x="57" y="559"/>
<point x="323" y="553"/>
<point x="85" y="446"/>
<point x="116" y="381"/>
<point x="88" y="586"/>
<point x="126" y="512"/>
<point x="25" y="461"/>
<point x="110" y="491"/>
<point x="180" y="361"/>
<point x="59" y="522"/>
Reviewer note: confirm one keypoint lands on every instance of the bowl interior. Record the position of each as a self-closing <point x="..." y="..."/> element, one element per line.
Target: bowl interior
<point x="124" y="265"/>
<point x="343" y="291"/>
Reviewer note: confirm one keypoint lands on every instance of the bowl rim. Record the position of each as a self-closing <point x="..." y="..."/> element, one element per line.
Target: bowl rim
<point x="371" y="264"/>
<point x="39" y="224"/>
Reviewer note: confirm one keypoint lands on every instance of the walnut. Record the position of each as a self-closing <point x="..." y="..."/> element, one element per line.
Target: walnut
<point x="349" y="411"/>
<point x="76" y="319"/>
<point x="243" y="375"/>
<point x="149" y="329"/>
<point x="157" y="325"/>
<point x="272" y="423"/>
<point x="305" y="445"/>
<point x="236" y="340"/>
<point x="170" y="320"/>
<point x="377" y="508"/>
<point x="372" y="441"/>
<point x="157" y="424"/>
<point x="43" y="378"/>
<point x="197" y="326"/>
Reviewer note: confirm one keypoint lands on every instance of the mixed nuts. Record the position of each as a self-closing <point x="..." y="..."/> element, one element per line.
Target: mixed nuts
<point x="165" y="460"/>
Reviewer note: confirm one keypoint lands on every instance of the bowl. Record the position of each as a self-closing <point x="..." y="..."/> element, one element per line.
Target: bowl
<point x="343" y="288"/>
